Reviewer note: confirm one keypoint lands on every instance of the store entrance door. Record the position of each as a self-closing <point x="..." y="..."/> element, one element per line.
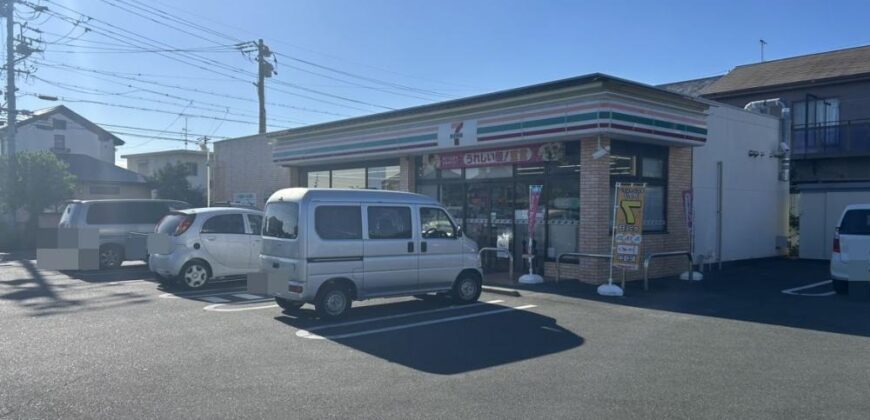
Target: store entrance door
<point x="490" y="221"/>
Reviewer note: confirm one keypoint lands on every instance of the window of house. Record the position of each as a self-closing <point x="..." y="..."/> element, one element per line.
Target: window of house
<point x="389" y="222"/>
<point x="192" y="168"/>
<point x="338" y="222"/>
<point x="225" y="223"/>
<point x="59" y="142"/>
<point x="816" y="112"/>
<point x="641" y="163"/>
<point x="58" y="124"/>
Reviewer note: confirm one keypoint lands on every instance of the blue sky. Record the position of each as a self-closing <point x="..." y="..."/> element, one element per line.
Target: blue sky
<point x="361" y="57"/>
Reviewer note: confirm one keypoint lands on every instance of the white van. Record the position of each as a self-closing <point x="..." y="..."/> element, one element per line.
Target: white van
<point x="330" y="247"/>
<point x="850" y="257"/>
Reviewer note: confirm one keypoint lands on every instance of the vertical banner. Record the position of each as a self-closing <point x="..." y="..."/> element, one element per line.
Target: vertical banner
<point x="534" y="200"/>
<point x="628" y="226"/>
<point x="689" y="213"/>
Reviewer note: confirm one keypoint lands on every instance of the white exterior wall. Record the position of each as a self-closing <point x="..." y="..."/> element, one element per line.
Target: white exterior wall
<point x="754" y="200"/>
<point x="244" y="166"/>
<point x="819" y="215"/>
<point x="157" y="162"/>
<point x="78" y="139"/>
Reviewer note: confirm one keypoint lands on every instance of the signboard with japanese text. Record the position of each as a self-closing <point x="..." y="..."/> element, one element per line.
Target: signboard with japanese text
<point x="546" y="152"/>
<point x="628" y="226"/>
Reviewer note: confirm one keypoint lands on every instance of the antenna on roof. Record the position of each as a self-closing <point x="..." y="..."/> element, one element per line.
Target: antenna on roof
<point x="762" y="43"/>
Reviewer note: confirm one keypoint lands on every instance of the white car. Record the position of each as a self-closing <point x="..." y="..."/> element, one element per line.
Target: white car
<point x="850" y="259"/>
<point x="208" y="243"/>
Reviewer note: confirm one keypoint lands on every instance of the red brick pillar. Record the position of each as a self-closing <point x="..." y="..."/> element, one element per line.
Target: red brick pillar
<point x="407" y="174"/>
<point x="595" y="208"/>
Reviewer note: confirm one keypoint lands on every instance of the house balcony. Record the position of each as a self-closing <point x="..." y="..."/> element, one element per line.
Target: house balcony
<point x="841" y="139"/>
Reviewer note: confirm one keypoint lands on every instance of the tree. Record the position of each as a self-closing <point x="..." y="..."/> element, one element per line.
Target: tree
<point x="171" y="183"/>
<point x="41" y="180"/>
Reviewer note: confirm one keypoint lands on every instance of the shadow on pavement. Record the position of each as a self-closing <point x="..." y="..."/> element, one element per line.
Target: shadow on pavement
<point x="747" y="291"/>
<point x="43" y="294"/>
<point x="433" y="343"/>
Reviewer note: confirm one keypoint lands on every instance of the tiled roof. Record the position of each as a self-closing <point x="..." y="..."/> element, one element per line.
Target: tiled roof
<point x="690" y="87"/>
<point x="90" y="169"/>
<point x="825" y="66"/>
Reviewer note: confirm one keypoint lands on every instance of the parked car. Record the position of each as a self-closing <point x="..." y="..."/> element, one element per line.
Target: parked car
<point x="123" y="225"/>
<point x="329" y="247"/>
<point x="850" y="259"/>
<point x="208" y="243"/>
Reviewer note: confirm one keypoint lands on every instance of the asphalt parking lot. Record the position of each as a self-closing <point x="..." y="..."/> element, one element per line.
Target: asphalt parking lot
<point x="751" y="341"/>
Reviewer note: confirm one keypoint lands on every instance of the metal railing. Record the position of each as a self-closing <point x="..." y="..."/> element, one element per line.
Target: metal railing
<point x="497" y="251"/>
<point x="649" y="258"/>
<point x="578" y="255"/>
<point x="831" y="139"/>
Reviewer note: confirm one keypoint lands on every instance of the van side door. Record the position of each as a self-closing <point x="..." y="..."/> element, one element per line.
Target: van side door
<point x="440" y="249"/>
<point x="335" y="244"/>
<point x="390" y="251"/>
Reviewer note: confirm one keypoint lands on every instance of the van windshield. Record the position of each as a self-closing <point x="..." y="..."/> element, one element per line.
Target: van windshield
<point x="282" y="220"/>
<point x="856" y="222"/>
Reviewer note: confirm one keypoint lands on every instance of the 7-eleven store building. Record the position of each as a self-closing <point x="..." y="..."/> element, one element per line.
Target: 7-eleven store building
<point x="479" y="155"/>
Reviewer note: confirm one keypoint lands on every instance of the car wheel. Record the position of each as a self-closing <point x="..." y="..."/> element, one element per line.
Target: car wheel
<point x="111" y="256"/>
<point x="841" y="287"/>
<point x="333" y="303"/>
<point x="194" y="275"/>
<point x="467" y="288"/>
<point x="288" y="305"/>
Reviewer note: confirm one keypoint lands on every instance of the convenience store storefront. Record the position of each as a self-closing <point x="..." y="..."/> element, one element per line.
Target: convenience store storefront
<point x="479" y="155"/>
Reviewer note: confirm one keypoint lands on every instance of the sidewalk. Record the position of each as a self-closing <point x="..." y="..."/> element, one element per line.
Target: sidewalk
<point x="18" y="255"/>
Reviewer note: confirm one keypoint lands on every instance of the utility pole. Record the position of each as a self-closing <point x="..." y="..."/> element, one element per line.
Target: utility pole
<point x="11" y="112"/>
<point x="265" y="69"/>
<point x="203" y="145"/>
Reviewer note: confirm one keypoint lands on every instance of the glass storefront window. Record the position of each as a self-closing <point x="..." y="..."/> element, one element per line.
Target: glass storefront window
<point x="319" y="179"/>
<point x="430" y="190"/>
<point x="384" y="178"/>
<point x="647" y="164"/>
<point x="426" y="167"/>
<point x="654" y="208"/>
<point x="451" y="173"/>
<point x="505" y="171"/>
<point x="453" y="199"/>
<point x="563" y="215"/>
<point x="653" y="167"/>
<point x="349" y="178"/>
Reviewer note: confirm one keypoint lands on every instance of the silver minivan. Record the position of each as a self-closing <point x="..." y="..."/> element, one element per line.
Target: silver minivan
<point x="123" y="225"/>
<point x="329" y="247"/>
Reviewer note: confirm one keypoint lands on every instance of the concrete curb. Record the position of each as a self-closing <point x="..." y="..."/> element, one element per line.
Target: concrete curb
<point x="502" y="291"/>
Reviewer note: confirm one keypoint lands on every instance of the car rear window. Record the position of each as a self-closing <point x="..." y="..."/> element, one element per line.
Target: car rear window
<point x="281" y="220"/>
<point x="169" y="223"/>
<point x="856" y="222"/>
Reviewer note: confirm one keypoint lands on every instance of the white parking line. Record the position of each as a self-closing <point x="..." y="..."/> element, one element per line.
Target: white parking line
<point x="248" y="296"/>
<point x="219" y="307"/>
<point x="197" y="294"/>
<point x="381" y="318"/>
<point x="214" y="299"/>
<point x="809" y="286"/>
<point x="309" y="335"/>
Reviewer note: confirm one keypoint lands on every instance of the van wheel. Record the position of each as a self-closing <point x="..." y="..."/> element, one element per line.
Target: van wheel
<point x="841" y="287"/>
<point x="194" y="275"/>
<point x="467" y="288"/>
<point x="111" y="256"/>
<point x="333" y="303"/>
<point x="288" y="305"/>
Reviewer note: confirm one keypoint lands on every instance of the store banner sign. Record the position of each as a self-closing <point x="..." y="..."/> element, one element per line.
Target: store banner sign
<point x="545" y="152"/>
<point x="534" y="200"/>
<point x="628" y="226"/>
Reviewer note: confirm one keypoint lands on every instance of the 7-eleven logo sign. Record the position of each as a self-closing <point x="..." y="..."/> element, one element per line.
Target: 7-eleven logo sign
<point x="456" y="132"/>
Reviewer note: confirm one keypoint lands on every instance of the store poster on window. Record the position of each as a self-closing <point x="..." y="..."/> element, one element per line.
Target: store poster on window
<point x="628" y="226"/>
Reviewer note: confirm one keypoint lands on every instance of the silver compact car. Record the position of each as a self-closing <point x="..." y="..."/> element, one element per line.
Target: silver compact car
<point x="206" y="244"/>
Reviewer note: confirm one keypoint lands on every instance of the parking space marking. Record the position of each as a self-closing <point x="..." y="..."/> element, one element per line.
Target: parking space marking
<point x="198" y="294"/>
<point x="309" y="335"/>
<point x="214" y="299"/>
<point x="405" y="315"/>
<point x="219" y="307"/>
<point x="248" y="296"/>
<point x="810" y="286"/>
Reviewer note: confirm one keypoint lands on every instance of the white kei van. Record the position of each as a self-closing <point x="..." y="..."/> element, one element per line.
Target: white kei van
<point x="331" y="246"/>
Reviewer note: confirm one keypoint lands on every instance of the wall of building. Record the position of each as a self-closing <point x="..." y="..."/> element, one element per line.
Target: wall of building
<point x="244" y="165"/>
<point x="754" y="200"/>
<point x="149" y="165"/>
<point x="820" y="213"/>
<point x="39" y="136"/>
<point x="594" y="228"/>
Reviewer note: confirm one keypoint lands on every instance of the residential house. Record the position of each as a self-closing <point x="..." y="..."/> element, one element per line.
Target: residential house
<point x="88" y="149"/>
<point x="828" y="96"/>
<point x="147" y="164"/>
